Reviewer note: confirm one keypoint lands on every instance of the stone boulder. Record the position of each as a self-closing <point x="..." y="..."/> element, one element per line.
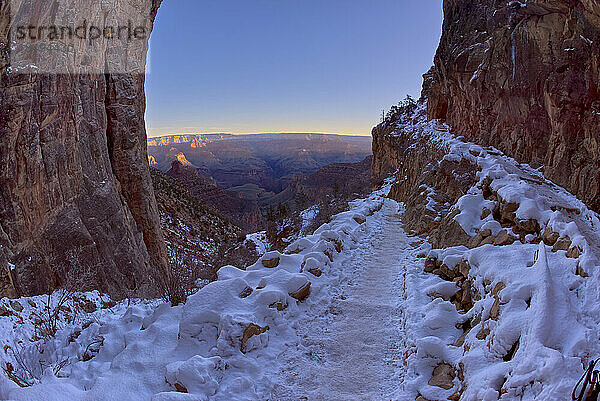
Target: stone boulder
<point x="271" y="260"/>
<point x="443" y="376"/>
<point x="250" y="331"/>
<point x="302" y="292"/>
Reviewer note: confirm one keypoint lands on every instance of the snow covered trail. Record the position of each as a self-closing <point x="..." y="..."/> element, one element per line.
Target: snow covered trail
<point x="353" y="347"/>
<point x="232" y="339"/>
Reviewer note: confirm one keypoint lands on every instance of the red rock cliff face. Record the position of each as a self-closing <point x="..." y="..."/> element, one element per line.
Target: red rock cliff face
<point x="524" y="77"/>
<point x="76" y="198"/>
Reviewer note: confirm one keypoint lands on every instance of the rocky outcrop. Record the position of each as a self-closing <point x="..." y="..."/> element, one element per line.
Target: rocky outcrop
<point x="76" y="198"/>
<point x="523" y="77"/>
<point x="242" y="212"/>
<point x="426" y="183"/>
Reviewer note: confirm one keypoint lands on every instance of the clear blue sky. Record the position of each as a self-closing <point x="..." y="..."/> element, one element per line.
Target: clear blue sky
<point x="246" y="66"/>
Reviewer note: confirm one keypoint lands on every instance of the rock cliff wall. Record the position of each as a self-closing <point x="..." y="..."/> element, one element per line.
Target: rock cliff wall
<point x="427" y="183"/>
<point x="76" y="198"/>
<point x="464" y="199"/>
<point x="524" y="77"/>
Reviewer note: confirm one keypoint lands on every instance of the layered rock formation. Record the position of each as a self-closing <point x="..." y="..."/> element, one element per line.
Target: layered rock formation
<point x="426" y="184"/>
<point x="242" y="212"/>
<point x="521" y="77"/>
<point x="76" y="198"/>
<point x="464" y="199"/>
<point x="336" y="180"/>
<point x="524" y="77"/>
<point x="266" y="160"/>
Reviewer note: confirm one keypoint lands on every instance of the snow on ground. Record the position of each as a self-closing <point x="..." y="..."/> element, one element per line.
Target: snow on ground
<point x="182" y="234"/>
<point x="533" y="324"/>
<point x="260" y="241"/>
<point x="225" y="343"/>
<point x="308" y="216"/>
<point x="351" y="341"/>
<point x="350" y="313"/>
<point x="81" y="322"/>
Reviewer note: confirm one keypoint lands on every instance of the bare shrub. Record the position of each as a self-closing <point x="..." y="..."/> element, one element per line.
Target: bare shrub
<point x="75" y="277"/>
<point x="30" y="360"/>
<point x="180" y="282"/>
<point x="401" y="112"/>
<point x="93" y="348"/>
<point x="47" y="322"/>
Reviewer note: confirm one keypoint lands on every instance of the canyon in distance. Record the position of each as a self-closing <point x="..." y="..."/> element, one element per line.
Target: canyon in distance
<point x="242" y="176"/>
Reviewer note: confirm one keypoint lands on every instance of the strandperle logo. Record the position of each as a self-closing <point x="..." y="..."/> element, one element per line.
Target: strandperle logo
<point x="84" y="31"/>
<point x="77" y="36"/>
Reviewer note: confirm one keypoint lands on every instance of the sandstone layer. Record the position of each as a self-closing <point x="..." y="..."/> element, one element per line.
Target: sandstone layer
<point x="524" y="77"/>
<point x="77" y="205"/>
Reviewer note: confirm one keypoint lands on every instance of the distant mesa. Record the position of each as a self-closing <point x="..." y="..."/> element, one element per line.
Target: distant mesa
<point x="266" y="160"/>
<point x="195" y="139"/>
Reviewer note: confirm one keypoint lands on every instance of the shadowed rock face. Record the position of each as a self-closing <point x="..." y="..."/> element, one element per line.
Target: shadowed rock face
<point x="242" y="212"/>
<point x="524" y="78"/>
<point x="76" y="198"/>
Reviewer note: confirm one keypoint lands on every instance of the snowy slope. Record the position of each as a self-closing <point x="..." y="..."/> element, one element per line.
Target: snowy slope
<point x="508" y="321"/>
<point x="223" y="344"/>
<point x="351" y="342"/>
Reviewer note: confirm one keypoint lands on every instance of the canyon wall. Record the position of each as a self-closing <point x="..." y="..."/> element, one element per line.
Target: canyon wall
<point x="422" y="177"/>
<point x="524" y="77"/>
<point x="77" y="207"/>
<point x="244" y="213"/>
